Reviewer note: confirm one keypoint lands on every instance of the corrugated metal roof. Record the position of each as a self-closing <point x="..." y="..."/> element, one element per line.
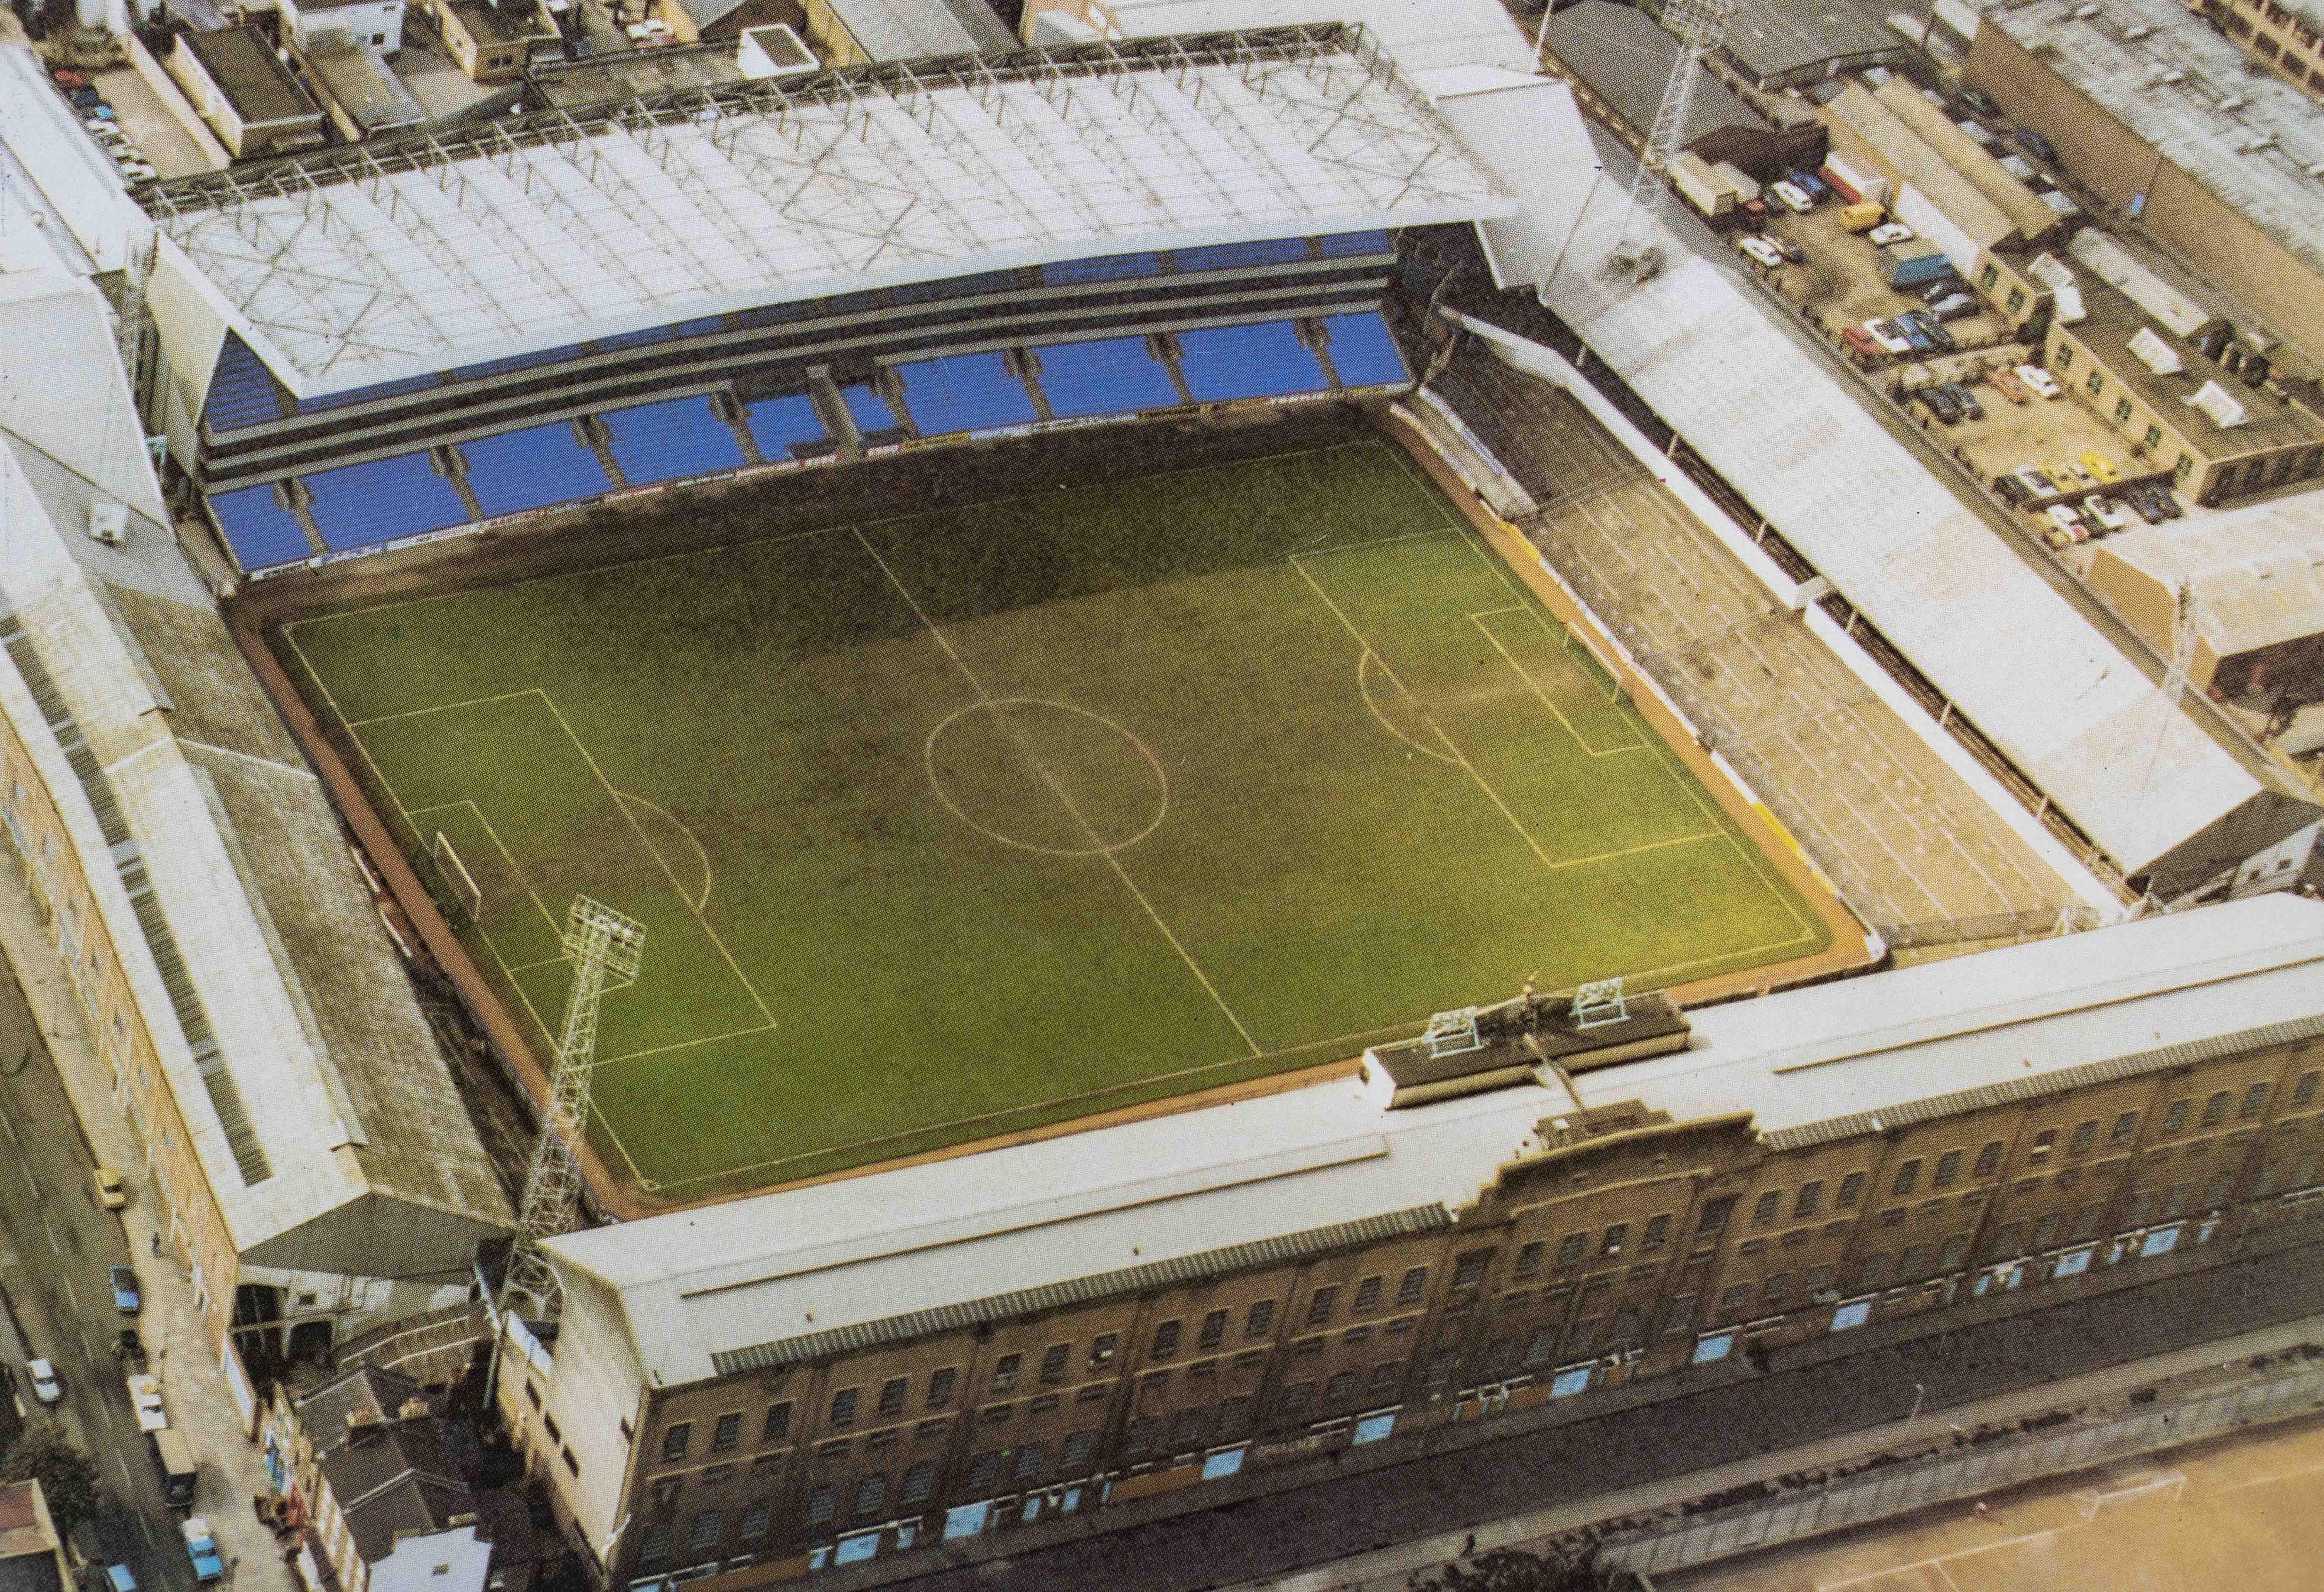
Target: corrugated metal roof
<point x="1162" y="1274"/>
<point x="2255" y="575"/>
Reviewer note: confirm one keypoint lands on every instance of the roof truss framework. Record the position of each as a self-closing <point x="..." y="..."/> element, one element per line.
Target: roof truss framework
<point x="353" y="266"/>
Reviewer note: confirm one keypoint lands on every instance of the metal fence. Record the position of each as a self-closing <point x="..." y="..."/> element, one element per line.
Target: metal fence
<point x="1963" y="1473"/>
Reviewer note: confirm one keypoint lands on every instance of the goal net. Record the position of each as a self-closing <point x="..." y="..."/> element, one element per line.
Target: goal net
<point x="465" y="893"/>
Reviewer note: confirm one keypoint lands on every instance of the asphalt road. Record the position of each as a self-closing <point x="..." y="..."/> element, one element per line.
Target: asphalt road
<point x="55" y="1245"/>
<point x="1453" y="1492"/>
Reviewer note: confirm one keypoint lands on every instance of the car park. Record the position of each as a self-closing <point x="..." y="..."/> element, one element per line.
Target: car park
<point x="1890" y="231"/>
<point x="1954" y="306"/>
<point x="2007" y="384"/>
<point x="1760" y="250"/>
<point x="2039" y="382"/>
<point x="1792" y="197"/>
<point x="42" y="1375"/>
<point x="2105" y="513"/>
<point x="2102" y="467"/>
<point x="125" y="1296"/>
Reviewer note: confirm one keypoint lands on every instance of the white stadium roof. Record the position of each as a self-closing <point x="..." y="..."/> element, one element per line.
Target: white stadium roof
<point x="2033" y="673"/>
<point x="790" y="1275"/>
<point x="368" y="265"/>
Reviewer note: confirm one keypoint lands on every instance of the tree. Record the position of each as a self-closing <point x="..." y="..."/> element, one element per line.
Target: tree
<point x="67" y="1477"/>
<point x="1513" y="1569"/>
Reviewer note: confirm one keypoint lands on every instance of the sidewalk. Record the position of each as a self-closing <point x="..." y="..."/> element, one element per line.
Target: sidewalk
<point x="1387" y="1569"/>
<point x="193" y="1388"/>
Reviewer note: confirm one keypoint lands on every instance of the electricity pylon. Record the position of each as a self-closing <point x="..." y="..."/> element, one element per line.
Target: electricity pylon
<point x="1699" y="26"/>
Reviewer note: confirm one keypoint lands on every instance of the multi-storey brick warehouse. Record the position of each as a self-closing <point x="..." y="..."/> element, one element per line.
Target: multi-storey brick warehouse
<point x="871" y="1364"/>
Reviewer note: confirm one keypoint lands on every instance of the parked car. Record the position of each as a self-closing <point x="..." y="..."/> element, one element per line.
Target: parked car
<point x="1927" y="325"/>
<point x="2102" y="467"/>
<point x="126" y="1297"/>
<point x="2037" y="485"/>
<point x="2076" y="477"/>
<point x="1787" y="248"/>
<point x="1792" y="197"/>
<point x="1942" y="287"/>
<point x="2107" y="513"/>
<point x="109" y="1192"/>
<point x="1863" y="341"/>
<point x="1962" y="396"/>
<point x="1890" y="338"/>
<point x="1954" y="306"/>
<point x="2007" y="384"/>
<point x="1760" y="250"/>
<point x="1808" y="184"/>
<point x="2055" y="538"/>
<point x="1890" y="231"/>
<point x="2039" y="382"/>
<point x="2034" y="144"/>
<point x="1910" y="330"/>
<point x="1940" y="403"/>
<point x="1979" y="101"/>
<point x="84" y="99"/>
<point x="2065" y="519"/>
<point x="2154" y="502"/>
<point x="42" y="1375"/>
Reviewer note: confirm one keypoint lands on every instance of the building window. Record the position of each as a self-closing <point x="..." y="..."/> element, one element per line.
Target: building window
<point x="1165" y="1341"/>
<point x="1055" y="1361"/>
<point x="1770" y="1206"/>
<point x="1469" y="1271"/>
<point x="1214" y="1329"/>
<point x="1320" y="1305"/>
<point x="870" y="1494"/>
<point x="703" y="1536"/>
<point x="2215" y="1109"/>
<point x="1778" y="1285"/>
<point x="778" y="1424"/>
<point x="754" y="1521"/>
<point x="2085" y="1135"/>
<point x="892" y="1394"/>
<point x="2097" y="382"/>
<point x="675" y="1440"/>
<point x="2122" y="411"/>
<point x="821" y="1505"/>
<point x="940" y="1387"/>
<point x="1871" y="1272"/>
<point x="1948" y="1170"/>
<point x="2254" y="1102"/>
<point x="1296" y="1399"/>
<point x="1851" y="1190"/>
<point x="1414" y="1283"/>
<point x="1912" y="1264"/>
<point x="2152" y="440"/>
<point x="1810" y="1196"/>
<point x="2126" y="1128"/>
<point x="2182" y="469"/>
<point x="1528" y="1263"/>
<point x="1004" y="1372"/>
<point x="727" y="1433"/>
<point x="1988" y="1159"/>
<point x="1615" y="1236"/>
<point x="983" y="1470"/>
<point x="1261" y="1319"/>
<point x="1656" y="1234"/>
<point x="2175" y="1118"/>
<point x="1569" y="1250"/>
<point x="1908" y="1175"/>
<point x="1990" y="275"/>
<point x="2065" y="356"/>
<point x="2044" y="1142"/>
<point x="2016" y="298"/>
<point x="1341" y="1387"/>
<point x="842" y="1406"/>
<point x="655" y="1548"/>
<point x="2304" y="1092"/>
<point x="1715" y="1213"/>
<point x="1102" y="1348"/>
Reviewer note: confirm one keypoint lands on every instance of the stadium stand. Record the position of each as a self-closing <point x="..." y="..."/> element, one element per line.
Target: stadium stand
<point x="966" y="393"/>
<point x="676" y="437"/>
<point x="262" y="532"/>
<point x="358" y="506"/>
<point x="243" y="393"/>
<point x="1108" y="376"/>
<point x="873" y="415"/>
<point x="785" y="428"/>
<point x="531" y="469"/>
<point x="1263" y="360"/>
<point x="1363" y="354"/>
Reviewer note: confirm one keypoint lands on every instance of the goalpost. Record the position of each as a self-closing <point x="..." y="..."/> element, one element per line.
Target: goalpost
<point x="462" y="883"/>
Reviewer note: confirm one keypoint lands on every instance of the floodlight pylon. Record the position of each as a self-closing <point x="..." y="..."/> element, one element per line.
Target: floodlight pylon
<point x="1699" y="26"/>
<point x="606" y="949"/>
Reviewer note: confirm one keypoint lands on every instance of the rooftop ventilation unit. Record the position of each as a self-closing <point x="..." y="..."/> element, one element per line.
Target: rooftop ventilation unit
<point x="2218" y="402"/>
<point x="108" y="523"/>
<point x="2171" y="75"/>
<point x="773" y="50"/>
<point x="2264" y="141"/>
<point x="2234" y="101"/>
<point x="2083" y="13"/>
<point x="2140" y="31"/>
<point x="2154" y="354"/>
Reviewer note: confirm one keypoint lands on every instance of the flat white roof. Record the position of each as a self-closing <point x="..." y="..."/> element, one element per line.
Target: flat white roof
<point x="1421" y="34"/>
<point x="1770" y="414"/>
<point x="2254" y="574"/>
<point x="733" y="1281"/>
<point x="51" y="167"/>
<point x="350" y="268"/>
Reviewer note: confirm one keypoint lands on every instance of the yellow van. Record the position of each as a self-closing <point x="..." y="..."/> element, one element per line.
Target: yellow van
<point x="1863" y="217"/>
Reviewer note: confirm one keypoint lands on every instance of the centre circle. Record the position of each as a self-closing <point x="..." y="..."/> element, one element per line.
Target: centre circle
<point x="1046" y="777"/>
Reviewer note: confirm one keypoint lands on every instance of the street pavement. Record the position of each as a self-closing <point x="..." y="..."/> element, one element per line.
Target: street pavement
<point x="58" y="1119"/>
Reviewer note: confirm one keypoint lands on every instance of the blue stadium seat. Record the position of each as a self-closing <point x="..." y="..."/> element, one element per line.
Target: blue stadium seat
<point x="1364" y="354"/>
<point x="362" y="505"/>
<point x="966" y="393"/>
<point x="1228" y="256"/>
<point x="531" y="469"/>
<point x="243" y="391"/>
<point x="785" y="428"/>
<point x="664" y="441"/>
<point x="870" y="412"/>
<point x="1339" y="243"/>
<point x="1105" y="268"/>
<point x="1263" y="360"/>
<point x="262" y="532"/>
<point x="1109" y="376"/>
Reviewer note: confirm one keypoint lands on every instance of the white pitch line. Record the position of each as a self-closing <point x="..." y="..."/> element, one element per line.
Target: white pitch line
<point x="2237" y="1486"/>
<point x="1937" y="1561"/>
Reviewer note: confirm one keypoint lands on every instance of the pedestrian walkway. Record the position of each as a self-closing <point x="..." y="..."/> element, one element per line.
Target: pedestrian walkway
<point x="1388" y="1569"/>
<point x="194" y="1388"/>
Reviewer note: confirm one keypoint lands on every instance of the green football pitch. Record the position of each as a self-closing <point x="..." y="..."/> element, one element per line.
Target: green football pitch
<point x="959" y="823"/>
